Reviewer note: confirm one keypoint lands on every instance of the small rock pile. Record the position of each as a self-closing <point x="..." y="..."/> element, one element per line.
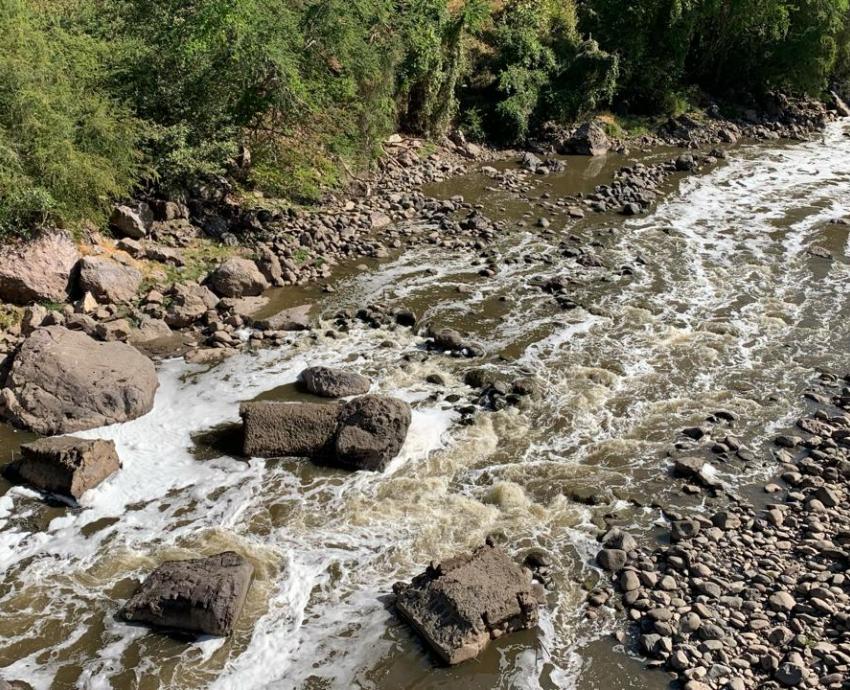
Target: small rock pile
<point x="751" y="598"/>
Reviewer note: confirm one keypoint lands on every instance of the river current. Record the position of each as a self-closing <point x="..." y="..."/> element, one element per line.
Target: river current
<point x="712" y="301"/>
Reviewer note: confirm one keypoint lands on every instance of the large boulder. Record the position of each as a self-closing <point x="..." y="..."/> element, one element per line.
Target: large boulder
<point x="203" y="595"/>
<point x="461" y="604"/>
<point x="130" y="221"/>
<point x="63" y="381"/>
<point x="327" y="382"/>
<point x="107" y="280"/>
<point x="238" y="277"/>
<point x="189" y="302"/>
<point x="66" y="465"/>
<point x="371" y="432"/>
<point x="39" y="270"/>
<point x="275" y="429"/>
<point x="362" y="434"/>
<point x="588" y="140"/>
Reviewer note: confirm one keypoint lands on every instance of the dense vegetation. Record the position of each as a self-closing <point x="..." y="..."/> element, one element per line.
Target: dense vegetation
<point x="101" y="97"/>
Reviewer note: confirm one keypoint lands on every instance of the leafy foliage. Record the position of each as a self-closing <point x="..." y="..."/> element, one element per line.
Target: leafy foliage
<point x="65" y="146"/>
<point x="99" y="97"/>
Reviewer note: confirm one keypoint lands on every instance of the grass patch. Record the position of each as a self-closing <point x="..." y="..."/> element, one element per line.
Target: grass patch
<point x="10" y="316"/>
<point x="300" y="256"/>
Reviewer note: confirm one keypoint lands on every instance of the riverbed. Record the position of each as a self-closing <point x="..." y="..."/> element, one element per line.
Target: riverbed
<point x="713" y="301"/>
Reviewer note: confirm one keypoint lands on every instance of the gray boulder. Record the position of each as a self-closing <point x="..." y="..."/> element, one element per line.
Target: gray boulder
<point x="275" y="429"/>
<point x="39" y="270"/>
<point x="132" y="222"/>
<point x="63" y="381"/>
<point x="203" y="595"/>
<point x="270" y="266"/>
<point x="461" y="604"/>
<point x="450" y="340"/>
<point x="148" y="331"/>
<point x="293" y="319"/>
<point x="107" y="280"/>
<point x="840" y="106"/>
<point x="238" y="277"/>
<point x="371" y="432"/>
<point x="588" y="140"/>
<point x="66" y="465"/>
<point x="334" y="383"/>
<point x="189" y="302"/>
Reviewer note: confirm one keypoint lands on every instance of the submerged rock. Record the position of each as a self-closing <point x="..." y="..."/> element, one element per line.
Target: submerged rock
<point x="39" y="270"/>
<point x="66" y="465"/>
<point x="203" y="595"/>
<point x="63" y="381"/>
<point x="461" y="604"/>
<point x="334" y="383"/>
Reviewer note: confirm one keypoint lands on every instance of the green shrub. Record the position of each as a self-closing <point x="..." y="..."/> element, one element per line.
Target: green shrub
<point x="66" y="147"/>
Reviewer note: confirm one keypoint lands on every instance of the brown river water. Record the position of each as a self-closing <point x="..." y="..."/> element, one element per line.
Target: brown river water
<point x="721" y="306"/>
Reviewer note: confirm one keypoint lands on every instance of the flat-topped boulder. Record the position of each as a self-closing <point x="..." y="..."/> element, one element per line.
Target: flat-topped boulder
<point x="66" y="465"/>
<point x="328" y="382"/>
<point x="365" y="433"/>
<point x="277" y="429"/>
<point x="203" y="595"/>
<point x="292" y="319"/>
<point x="461" y="604"/>
<point x="38" y="270"/>
<point x="63" y="381"/>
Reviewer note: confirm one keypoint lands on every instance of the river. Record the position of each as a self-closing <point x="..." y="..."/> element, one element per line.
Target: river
<point x="713" y="301"/>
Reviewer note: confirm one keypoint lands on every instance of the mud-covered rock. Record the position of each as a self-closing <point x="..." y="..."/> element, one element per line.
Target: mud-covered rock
<point x="277" y="429"/>
<point x="372" y="429"/>
<point x="461" y="604"/>
<point x="66" y="465"/>
<point x="203" y="595"/>
<point x="328" y="382"/>
<point x="63" y="381"/>
<point x="362" y="434"/>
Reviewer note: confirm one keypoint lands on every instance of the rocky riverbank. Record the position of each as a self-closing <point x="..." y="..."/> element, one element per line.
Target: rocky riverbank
<point x="593" y="344"/>
<point x="186" y="276"/>
<point x="751" y="597"/>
